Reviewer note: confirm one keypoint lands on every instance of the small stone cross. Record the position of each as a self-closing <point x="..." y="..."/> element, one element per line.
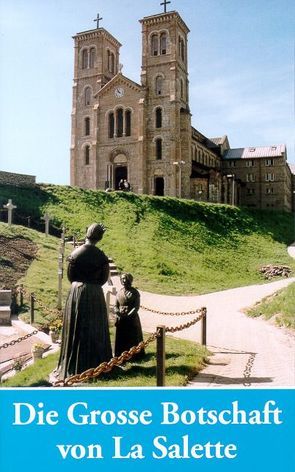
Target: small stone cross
<point x="10" y="207"/>
<point x="47" y="219"/>
<point x="97" y="19"/>
<point x="165" y="3"/>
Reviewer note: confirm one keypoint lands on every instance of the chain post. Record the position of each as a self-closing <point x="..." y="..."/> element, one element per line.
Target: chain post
<point x="161" y="356"/>
<point x="21" y="296"/>
<point x="204" y="326"/>
<point x="32" y="311"/>
<point x="60" y="274"/>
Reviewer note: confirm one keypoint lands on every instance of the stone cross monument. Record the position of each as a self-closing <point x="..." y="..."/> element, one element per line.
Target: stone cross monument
<point x="10" y="207"/>
<point x="47" y="219"/>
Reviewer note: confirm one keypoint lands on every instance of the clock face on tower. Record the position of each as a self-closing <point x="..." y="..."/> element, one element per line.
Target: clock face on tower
<point x="119" y="92"/>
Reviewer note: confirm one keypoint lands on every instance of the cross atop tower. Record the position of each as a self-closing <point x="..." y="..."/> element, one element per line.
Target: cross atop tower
<point x="97" y="19"/>
<point x="165" y="3"/>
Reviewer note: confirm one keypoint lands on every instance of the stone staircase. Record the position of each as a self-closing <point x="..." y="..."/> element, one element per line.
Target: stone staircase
<point x="113" y="268"/>
<point x="5" y="304"/>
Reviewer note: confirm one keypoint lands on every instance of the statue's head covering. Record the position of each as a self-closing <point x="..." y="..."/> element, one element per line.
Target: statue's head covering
<point x="127" y="276"/>
<point x="95" y="232"/>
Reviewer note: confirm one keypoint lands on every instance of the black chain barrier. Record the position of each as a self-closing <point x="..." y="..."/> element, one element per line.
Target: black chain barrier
<point x="18" y="340"/>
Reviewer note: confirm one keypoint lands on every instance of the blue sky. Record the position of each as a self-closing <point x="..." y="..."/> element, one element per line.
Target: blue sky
<point x="241" y="64"/>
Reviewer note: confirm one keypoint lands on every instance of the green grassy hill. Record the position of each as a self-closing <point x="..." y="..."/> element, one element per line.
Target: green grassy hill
<point x="169" y="245"/>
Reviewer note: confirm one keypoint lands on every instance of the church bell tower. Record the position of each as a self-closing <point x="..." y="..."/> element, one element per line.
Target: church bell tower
<point x="96" y="63"/>
<point x="168" y="125"/>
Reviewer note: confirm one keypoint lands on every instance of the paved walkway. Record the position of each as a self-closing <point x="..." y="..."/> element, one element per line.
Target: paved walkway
<point x="246" y="351"/>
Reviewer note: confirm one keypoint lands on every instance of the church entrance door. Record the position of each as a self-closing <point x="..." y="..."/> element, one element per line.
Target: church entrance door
<point x="159" y="186"/>
<point x="120" y="169"/>
<point x="120" y="173"/>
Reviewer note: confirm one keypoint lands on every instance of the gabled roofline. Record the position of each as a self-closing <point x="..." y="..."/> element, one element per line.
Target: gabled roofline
<point x="125" y="79"/>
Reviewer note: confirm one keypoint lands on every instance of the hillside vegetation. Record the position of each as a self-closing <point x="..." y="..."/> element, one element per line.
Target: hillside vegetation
<point x="169" y="245"/>
<point x="279" y="306"/>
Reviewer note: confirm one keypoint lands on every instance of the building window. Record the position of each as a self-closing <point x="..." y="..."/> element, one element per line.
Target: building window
<point x="269" y="177"/>
<point x="159" y="149"/>
<point x="250" y="191"/>
<point x="232" y="164"/>
<point x="84" y="59"/>
<point x="181" y="89"/>
<point x="111" y="125"/>
<point x="159" y="85"/>
<point x="269" y="162"/>
<point x="181" y="49"/>
<point x="91" y="57"/>
<point x="250" y="163"/>
<point x="87" y="96"/>
<point x="111" y="61"/>
<point x="269" y="190"/>
<point x="163" y="43"/>
<point x="250" y="178"/>
<point x="119" y="122"/>
<point x="154" y="45"/>
<point x="159" y="118"/>
<point x="128" y="123"/>
<point x="87" y="126"/>
<point x="87" y="155"/>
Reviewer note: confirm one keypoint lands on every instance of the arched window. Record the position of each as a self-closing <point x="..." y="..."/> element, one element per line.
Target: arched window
<point x="109" y="60"/>
<point x="111" y="125"/>
<point x="87" y="155"/>
<point x="87" y="96"/>
<point x="120" y="122"/>
<point x="154" y="45"/>
<point x="84" y="59"/>
<point x="196" y="155"/>
<point x="112" y="63"/>
<point x="181" y="89"/>
<point x="87" y="126"/>
<point x="128" y="123"/>
<point x="158" y="148"/>
<point x="181" y="48"/>
<point x="91" y="57"/>
<point x="159" y="85"/>
<point x="163" y="43"/>
<point x="159" y="118"/>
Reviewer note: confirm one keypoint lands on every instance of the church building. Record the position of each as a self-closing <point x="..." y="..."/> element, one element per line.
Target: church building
<point x="142" y="132"/>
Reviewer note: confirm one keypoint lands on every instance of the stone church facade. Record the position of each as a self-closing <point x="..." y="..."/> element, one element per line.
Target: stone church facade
<point x="143" y="132"/>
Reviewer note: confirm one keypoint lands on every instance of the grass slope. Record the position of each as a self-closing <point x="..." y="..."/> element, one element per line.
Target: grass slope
<point x="281" y="305"/>
<point x="41" y="276"/>
<point x="169" y="245"/>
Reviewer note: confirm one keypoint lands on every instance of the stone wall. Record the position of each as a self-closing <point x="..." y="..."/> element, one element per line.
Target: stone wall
<point x="9" y="178"/>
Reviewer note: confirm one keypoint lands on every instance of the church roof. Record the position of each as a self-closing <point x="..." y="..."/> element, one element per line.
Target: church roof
<point x="254" y="152"/>
<point x="119" y="79"/>
<point x="163" y="17"/>
<point x="94" y="33"/>
<point x="219" y="140"/>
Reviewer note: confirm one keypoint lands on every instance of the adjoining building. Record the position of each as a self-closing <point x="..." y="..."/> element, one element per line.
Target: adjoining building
<point x="142" y="133"/>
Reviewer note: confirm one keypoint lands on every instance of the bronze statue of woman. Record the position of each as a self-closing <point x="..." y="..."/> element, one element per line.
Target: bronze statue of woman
<point x="129" y="331"/>
<point x="85" y="336"/>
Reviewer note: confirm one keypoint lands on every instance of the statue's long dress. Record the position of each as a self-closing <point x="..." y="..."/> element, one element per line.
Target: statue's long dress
<point x="129" y="331"/>
<point x="85" y="337"/>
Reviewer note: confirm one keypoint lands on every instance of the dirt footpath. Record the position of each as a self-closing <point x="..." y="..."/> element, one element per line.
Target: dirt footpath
<point x="248" y="352"/>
